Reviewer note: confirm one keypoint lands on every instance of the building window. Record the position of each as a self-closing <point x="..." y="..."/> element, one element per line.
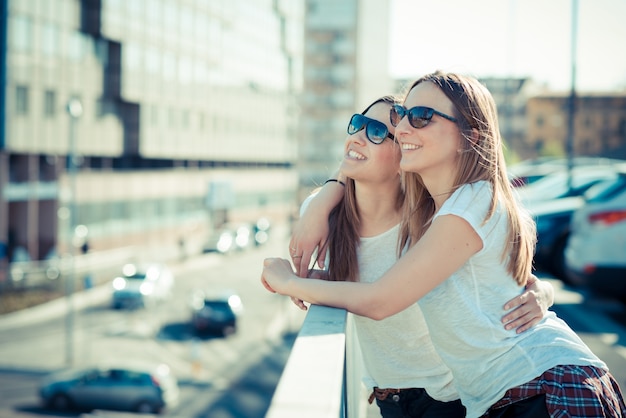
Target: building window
<point x="539" y="121"/>
<point x="184" y="119"/>
<point x="21" y="100"/>
<point x="154" y="115"/>
<point x="77" y="46"/>
<point x="50" y="40"/>
<point x="49" y="104"/>
<point x="201" y="121"/>
<point x="21" y="35"/>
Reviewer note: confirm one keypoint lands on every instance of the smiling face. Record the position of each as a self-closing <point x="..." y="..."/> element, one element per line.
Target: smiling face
<point x="431" y="151"/>
<point x="366" y="161"/>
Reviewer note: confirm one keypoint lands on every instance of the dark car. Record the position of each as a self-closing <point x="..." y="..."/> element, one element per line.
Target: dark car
<point x="562" y="184"/>
<point x="215" y="312"/>
<point x="552" y="204"/>
<point x="137" y="388"/>
<point x="553" y="218"/>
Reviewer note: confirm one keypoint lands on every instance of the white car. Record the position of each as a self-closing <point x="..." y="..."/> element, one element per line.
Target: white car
<point x="596" y="251"/>
<point x="142" y="285"/>
<point x="556" y="185"/>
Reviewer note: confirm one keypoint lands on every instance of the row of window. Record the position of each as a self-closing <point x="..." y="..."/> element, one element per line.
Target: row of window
<point x="146" y="214"/>
<point x="52" y="40"/>
<point x="50" y="102"/>
<point x="157" y="116"/>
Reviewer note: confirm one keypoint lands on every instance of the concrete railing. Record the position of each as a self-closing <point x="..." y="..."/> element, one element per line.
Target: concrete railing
<point x="322" y="377"/>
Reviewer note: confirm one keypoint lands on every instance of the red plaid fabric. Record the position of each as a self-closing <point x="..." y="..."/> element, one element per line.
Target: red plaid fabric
<point x="571" y="392"/>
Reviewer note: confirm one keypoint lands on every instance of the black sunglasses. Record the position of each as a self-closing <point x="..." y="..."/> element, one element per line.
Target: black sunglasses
<point x="375" y="130"/>
<point x="419" y="116"/>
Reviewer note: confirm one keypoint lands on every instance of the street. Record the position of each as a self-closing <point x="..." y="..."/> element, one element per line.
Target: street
<point x="220" y="377"/>
<point x="208" y="368"/>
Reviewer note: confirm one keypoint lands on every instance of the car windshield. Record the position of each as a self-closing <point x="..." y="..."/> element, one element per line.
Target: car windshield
<point x="556" y="185"/>
<point x="134" y="273"/>
<point x="217" y="305"/>
<point x="137" y="276"/>
<point x="606" y="190"/>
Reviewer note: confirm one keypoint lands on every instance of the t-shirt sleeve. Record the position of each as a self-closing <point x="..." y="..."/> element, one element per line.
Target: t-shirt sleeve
<point x="470" y="202"/>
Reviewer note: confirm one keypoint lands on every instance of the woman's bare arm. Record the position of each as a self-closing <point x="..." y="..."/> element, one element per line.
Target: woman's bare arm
<point x="310" y="233"/>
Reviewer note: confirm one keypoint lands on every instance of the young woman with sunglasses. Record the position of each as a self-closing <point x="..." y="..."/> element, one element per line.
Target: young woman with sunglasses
<point x="403" y="371"/>
<point x="469" y="248"/>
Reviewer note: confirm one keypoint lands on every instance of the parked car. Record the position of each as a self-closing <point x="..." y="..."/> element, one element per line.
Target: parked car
<point x="596" y="251"/>
<point x="215" y="311"/>
<point x="131" y="387"/>
<point x="529" y="171"/>
<point x="553" y="218"/>
<point x="230" y="237"/>
<point x="142" y="285"/>
<point x="556" y="185"/>
<point x="221" y="241"/>
<point x="261" y="231"/>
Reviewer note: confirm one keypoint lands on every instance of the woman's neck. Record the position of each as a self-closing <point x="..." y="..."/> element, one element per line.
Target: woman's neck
<point x="377" y="205"/>
<point x="440" y="189"/>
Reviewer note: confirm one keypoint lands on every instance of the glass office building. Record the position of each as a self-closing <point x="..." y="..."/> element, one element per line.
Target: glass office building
<point x="184" y="115"/>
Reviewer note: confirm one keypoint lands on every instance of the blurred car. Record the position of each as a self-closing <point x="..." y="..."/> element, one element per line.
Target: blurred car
<point x="243" y="235"/>
<point x="261" y="231"/>
<point x="553" y="218"/>
<point x="596" y="252"/>
<point x="230" y="237"/>
<point x="529" y="171"/>
<point x="215" y="312"/>
<point x="221" y="241"/>
<point x="556" y="185"/>
<point x="132" y="387"/>
<point x="142" y="285"/>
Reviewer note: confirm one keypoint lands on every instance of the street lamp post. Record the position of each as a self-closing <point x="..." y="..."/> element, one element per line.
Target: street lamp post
<point x="571" y="109"/>
<point x="75" y="111"/>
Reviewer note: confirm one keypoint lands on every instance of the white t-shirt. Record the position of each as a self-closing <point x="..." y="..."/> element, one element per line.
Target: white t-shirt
<point x="397" y="351"/>
<point x="463" y="315"/>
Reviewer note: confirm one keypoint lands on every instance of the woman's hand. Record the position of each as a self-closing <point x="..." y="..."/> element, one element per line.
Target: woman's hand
<point x="308" y="237"/>
<point x="529" y="307"/>
<point x="276" y="274"/>
<point x="310" y="233"/>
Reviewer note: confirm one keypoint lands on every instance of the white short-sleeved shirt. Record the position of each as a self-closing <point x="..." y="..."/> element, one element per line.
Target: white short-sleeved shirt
<point x="397" y="351"/>
<point x="463" y="315"/>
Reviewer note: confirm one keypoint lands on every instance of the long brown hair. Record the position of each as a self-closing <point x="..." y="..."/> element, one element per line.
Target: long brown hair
<point x="344" y="222"/>
<point x="480" y="158"/>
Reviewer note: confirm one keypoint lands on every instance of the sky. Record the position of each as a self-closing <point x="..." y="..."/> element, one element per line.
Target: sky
<point x="518" y="38"/>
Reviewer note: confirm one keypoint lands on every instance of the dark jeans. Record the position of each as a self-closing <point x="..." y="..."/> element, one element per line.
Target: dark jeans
<point x="415" y="403"/>
<point x="534" y="407"/>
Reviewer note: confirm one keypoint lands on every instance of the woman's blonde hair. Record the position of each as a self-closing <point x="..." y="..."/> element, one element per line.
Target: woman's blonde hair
<point x="481" y="158"/>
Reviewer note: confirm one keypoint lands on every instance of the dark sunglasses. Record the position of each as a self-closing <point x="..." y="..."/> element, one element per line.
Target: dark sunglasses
<point x="375" y="131"/>
<point x="419" y="116"/>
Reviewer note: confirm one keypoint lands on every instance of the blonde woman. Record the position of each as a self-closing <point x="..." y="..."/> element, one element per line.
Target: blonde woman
<point x="469" y="250"/>
<point x="403" y="372"/>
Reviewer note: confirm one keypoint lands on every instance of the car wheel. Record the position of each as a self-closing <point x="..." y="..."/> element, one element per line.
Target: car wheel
<point x="145" y="407"/>
<point x="60" y="402"/>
